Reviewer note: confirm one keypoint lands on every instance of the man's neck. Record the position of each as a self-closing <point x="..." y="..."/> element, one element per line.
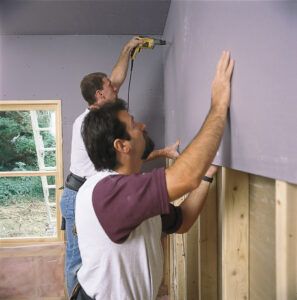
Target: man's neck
<point x="128" y="169"/>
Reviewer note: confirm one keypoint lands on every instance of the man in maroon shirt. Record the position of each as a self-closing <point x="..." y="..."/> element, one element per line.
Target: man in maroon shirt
<point x="126" y="203"/>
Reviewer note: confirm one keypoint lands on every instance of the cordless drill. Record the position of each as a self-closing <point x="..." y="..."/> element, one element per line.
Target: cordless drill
<point x="149" y="42"/>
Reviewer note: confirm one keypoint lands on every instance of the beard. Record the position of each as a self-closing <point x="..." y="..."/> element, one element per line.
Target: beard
<point x="149" y="146"/>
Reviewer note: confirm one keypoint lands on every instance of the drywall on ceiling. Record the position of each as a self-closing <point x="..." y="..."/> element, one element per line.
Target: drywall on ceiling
<point x="260" y="137"/>
<point x="51" y="67"/>
<point x="83" y="17"/>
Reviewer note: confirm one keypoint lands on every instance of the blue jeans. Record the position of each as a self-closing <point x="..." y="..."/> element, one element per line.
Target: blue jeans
<point x="72" y="255"/>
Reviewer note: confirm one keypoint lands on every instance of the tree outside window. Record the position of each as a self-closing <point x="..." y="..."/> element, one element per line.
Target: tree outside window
<point x="30" y="170"/>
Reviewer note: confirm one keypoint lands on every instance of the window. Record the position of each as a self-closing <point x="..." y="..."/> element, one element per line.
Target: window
<point x="30" y="171"/>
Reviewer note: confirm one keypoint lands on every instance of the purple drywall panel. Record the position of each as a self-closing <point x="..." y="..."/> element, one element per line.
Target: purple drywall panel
<point x="260" y="136"/>
<point x="83" y="17"/>
<point x="51" y="67"/>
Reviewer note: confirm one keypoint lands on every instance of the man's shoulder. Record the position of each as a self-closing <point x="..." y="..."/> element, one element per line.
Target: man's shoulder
<point x="116" y="196"/>
<point x="100" y="178"/>
<point x="79" y="119"/>
<point x="104" y="182"/>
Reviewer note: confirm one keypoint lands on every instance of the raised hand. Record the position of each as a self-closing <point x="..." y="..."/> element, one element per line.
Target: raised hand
<point x="133" y="43"/>
<point x="172" y="150"/>
<point x="220" y="91"/>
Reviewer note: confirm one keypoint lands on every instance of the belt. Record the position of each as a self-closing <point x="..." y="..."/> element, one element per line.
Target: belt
<point x="79" y="294"/>
<point x="74" y="182"/>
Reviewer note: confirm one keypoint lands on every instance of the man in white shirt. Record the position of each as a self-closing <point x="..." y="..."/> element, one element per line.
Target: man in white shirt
<point x="97" y="89"/>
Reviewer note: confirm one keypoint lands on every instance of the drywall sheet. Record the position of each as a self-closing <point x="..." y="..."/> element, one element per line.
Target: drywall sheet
<point x="51" y="67"/>
<point x="260" y="136"/>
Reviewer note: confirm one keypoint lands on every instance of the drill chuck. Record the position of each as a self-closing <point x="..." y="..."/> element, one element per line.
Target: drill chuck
<point x="159" y="42"/>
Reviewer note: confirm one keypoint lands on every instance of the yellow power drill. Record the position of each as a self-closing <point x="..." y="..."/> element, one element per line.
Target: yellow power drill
<point x="149" y="42"/>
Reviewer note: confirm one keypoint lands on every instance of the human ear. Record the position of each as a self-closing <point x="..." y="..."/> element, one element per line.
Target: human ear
<point x="99" y="95"/>
<point x="122" y="146"/>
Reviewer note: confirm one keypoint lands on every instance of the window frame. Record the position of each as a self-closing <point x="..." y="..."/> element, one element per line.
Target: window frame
<point x="27" y="105"/>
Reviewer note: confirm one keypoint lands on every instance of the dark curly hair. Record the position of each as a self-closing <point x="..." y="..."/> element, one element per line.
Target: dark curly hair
<point x="100" y="128"/>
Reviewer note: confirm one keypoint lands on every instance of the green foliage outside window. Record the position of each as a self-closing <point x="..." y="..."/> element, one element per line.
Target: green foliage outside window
<point x="18" y="153"/>
<point x="18" y="189"/>
<point x="17" y="142"/>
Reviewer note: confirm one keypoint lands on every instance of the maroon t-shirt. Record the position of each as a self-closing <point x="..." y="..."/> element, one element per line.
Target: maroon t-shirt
<point x="122" y="202"/>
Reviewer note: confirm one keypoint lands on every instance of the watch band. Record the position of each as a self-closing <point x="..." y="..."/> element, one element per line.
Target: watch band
<point x="208" y="179"/>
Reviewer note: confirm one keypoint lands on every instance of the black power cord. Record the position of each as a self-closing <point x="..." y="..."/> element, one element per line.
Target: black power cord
<point x="131" y="69"/>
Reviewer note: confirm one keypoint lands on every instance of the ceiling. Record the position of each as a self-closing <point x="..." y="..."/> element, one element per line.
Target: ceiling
<point x="83" y="17"/>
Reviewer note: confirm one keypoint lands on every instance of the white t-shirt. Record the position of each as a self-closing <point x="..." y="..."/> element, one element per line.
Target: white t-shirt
<point x="131" y="269"/>
<point x="81" y="164"/>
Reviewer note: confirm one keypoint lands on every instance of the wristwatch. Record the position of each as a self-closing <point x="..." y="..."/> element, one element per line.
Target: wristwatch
<point x="208" y="179"/>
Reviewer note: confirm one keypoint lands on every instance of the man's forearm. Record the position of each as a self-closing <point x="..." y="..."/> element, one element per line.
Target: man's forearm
<point x="156" y="154"/>
<point x="200" y="153"/>
<point x="192" y="164"/>
<point x="119" y="72"/>
<point x="201" y="149"/>
<point x="193" y="205"/>
<point x="170" y="151"/>
<point x="185" y="174"/>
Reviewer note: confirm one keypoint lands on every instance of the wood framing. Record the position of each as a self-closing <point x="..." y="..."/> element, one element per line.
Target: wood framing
<point x="192" y="263"/>
<point x="234" y="225"/>
<point x="262" y="237"/>
<point x="238" y="236"/>
<point x="165" y="286"/>
<point x="286" y="240"/>
<point x="193" y="256"/>
<point x="208" y="247"/>
<point x="178" y="289"/>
